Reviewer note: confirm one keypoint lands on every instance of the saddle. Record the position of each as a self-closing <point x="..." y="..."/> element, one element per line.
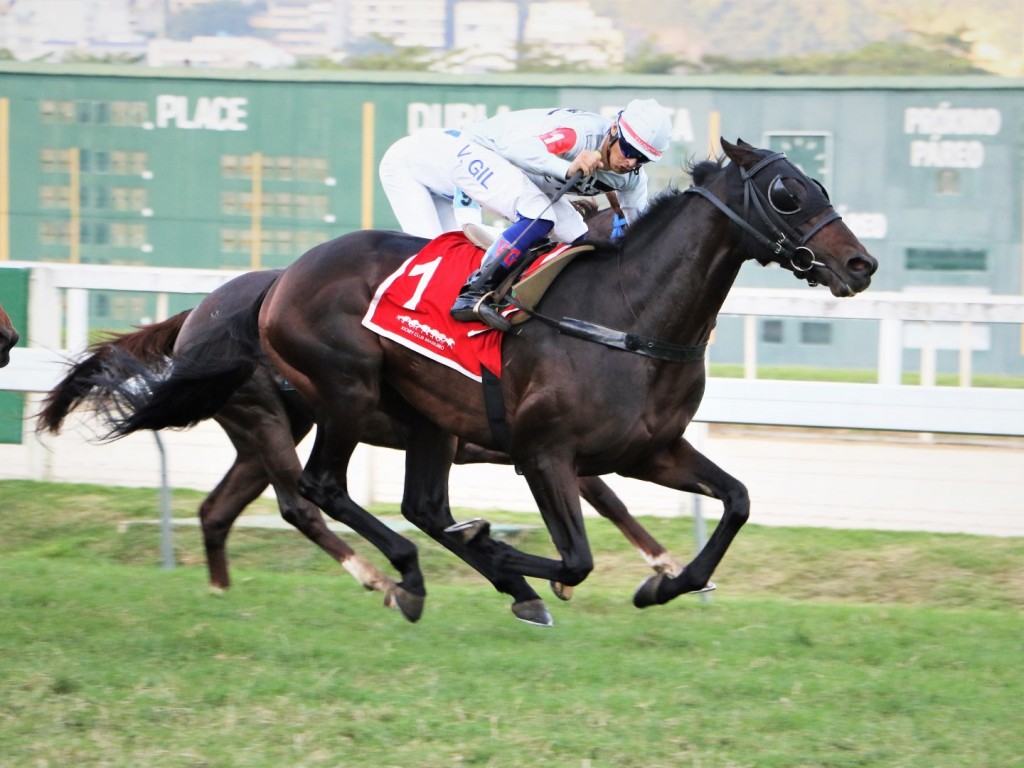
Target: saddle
<point x="542" y="264"/>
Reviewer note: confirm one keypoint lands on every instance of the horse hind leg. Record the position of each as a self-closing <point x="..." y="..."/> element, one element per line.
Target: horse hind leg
<point x="603" y="499"/>
<point x="323" y="482"/>
<point x="264" y="436"/>
<point x="310" y="523"/>
<point x="242" y="484"/>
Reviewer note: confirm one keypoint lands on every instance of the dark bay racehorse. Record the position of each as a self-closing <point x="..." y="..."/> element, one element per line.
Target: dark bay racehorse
<point x="265" y="419"/>
<point x="8" y="337"/>
<point x="608" y="382"/>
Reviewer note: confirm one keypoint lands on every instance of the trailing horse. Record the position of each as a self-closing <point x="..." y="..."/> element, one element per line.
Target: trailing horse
<point x="604" y="380"/>
<point x="8" y="337"/>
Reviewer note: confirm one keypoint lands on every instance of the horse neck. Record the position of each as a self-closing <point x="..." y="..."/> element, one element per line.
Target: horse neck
<point x="678" y="282"/>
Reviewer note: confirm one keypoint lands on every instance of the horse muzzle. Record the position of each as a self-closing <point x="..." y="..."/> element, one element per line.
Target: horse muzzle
<point x="846" y="279"/>
<point x="7" y="343"/>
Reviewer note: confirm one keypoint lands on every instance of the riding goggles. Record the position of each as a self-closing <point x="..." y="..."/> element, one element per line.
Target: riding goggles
<point x="630" y="152"/>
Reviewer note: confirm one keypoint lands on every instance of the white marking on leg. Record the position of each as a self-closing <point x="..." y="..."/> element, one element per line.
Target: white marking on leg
<point x="367" y="574"/>
<point x="663" y="563"/>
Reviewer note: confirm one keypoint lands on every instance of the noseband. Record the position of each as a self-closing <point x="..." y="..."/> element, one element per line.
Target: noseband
<point x="781" y="238"/>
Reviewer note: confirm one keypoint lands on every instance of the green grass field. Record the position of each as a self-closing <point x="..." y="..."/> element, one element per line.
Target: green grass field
<point x="820" y="648"/>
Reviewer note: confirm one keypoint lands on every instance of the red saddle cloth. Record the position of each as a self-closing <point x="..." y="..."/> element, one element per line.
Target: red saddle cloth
<point x="411" y="308"/>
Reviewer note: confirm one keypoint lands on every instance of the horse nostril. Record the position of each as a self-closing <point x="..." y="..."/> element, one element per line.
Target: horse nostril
<point x="863" y="264"/>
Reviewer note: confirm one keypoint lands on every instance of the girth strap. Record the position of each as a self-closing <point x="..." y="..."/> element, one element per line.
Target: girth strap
<point x="494" y="405"/>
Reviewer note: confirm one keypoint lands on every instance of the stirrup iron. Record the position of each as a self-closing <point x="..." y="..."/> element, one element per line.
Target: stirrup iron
<point x="488" y="315"/>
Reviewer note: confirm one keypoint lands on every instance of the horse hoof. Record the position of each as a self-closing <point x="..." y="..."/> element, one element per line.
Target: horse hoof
<point x="646" y="594"/>
<point x="709" y="587"/>
<point x="562" y="592"/>
<point x="533" y="612"/>
<point x="410" y="605"/>
<point x="470" y="529"/>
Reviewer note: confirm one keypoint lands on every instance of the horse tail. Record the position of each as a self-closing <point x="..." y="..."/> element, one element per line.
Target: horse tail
<point x="151" y="343"/>
<point x="110" y="362"/>
<point x="198" y="383"/>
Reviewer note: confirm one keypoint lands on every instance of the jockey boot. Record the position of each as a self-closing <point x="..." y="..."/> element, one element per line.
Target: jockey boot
<point x="471" y="303"/>
<point x="499" y="260"/>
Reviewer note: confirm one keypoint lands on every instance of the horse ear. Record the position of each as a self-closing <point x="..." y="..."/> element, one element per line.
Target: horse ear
<point x="737" y="152"/>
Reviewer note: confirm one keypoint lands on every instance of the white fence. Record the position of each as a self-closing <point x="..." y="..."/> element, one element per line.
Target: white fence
<point x="59" y="323"/>
<point x="198" y="458"/>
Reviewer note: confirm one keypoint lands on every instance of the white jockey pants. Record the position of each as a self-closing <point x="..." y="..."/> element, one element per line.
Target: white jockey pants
<point x="415" y="175"/>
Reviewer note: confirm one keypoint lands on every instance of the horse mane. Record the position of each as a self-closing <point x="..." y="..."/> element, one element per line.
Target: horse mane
<point x="666" y="204"/>
<point x="703" y="171"/>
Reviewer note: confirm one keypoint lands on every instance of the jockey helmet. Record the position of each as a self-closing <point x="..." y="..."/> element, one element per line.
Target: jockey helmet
<point x="644" y="125"/>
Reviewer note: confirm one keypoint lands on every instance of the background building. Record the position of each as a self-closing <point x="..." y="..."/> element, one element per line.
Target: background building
<point x="480" y="35"/>
<point x="218" y="53"/>
<point x="301" y="27"/>
<point x="36" y="28"/>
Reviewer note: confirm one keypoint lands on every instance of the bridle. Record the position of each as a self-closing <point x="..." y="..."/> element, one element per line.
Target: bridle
<point x="782" y="240"/>
<point x="780" y="243"/>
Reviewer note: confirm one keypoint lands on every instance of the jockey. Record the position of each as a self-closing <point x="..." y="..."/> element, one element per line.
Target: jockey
<point x="514" y="162"/>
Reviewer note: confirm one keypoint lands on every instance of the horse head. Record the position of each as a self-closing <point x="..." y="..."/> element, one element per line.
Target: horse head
<point x="790" y="220"/>
<point x="8" y="337"/>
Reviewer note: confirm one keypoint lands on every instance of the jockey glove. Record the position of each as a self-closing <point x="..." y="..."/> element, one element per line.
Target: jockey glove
<point x="619" y="225"/>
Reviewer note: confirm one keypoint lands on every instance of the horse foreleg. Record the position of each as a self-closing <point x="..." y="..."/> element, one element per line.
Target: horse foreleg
<point x="556" y="491"/>
<point x="684" y="468"/>
<point x="604" y="501"/>
<point x="429" y="453"/>
<point x="471" y="453"/>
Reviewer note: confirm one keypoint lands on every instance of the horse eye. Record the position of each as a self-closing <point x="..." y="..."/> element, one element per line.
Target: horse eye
<point x="782" y="199"/>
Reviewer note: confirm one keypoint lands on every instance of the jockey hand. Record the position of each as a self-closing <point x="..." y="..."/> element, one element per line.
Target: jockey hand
<point x="619" y="225"/>
<point x="587" y="161"/>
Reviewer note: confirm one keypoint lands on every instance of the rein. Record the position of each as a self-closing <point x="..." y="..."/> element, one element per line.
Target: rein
<point x="630" y="342"/>
<point x="784" y="235"/>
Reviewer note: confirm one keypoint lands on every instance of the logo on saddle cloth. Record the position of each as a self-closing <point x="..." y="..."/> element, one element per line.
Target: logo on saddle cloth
<point x="411" y="306"/>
